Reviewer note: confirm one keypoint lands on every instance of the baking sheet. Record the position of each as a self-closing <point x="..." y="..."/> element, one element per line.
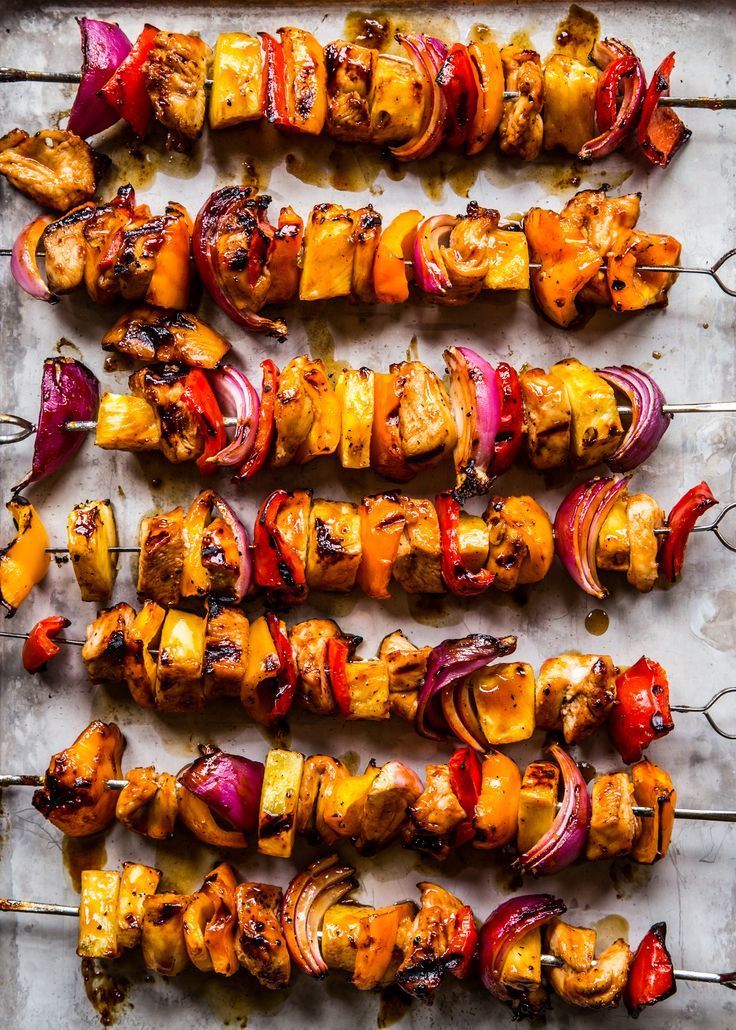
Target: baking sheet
<point x="690" y="349"/>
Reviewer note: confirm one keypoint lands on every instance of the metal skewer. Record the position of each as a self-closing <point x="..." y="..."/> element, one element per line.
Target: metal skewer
<point x="73" y="78"/>
<point x="48" y="908"/>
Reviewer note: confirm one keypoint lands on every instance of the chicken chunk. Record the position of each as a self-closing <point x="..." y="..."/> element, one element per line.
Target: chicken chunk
<point x="149" y="334"/>
<point x="55" y="168"/>
<point x="613" y="826"/>
<point x="106" y="644"/>
<point x="643" y="517"/>
<point x="575" y="693"/>
<point x="435" y="813"/>
<point x="349" y="82"/>
<point x="601" y="983"/>
<point x="423" y="968"/>
<point x="149" y="803"/>
<point x="175" y="78"/>
<point x="260" y="944"/>
<point x="392" y="793"/>
<point x="602" y="221"/>
<point x="162" y="387"/>
<point x="309" y="641"/>
<point x="65" y="249"/>
<point x="521" y="130"/>
<point x="418" y="565"/>
<point x="426" y="424"/>
<point x="161" y="558"/>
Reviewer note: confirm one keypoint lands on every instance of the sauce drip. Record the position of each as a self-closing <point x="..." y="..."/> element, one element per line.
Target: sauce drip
<point x="393" y="1006"/>
<point x="596" y="622"/>
<point x="576" y="34"/>
<point x="82" y="853"/>
<point x="106" y="994"/>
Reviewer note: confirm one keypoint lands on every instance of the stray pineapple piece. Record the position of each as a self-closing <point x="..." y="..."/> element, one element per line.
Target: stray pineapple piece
<point x="282" y="779"/>
<point x="137" y="882"/>
<point x="127" y="423"/>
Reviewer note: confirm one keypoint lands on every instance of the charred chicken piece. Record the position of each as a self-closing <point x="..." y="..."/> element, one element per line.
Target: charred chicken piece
<point x="418" y="565"/>
<point x="574" y="694"/>
<point x="406" y="666"/>
<point x="423" y="968"/>
<point x="392" y="793"/>
<point x="175" y="78"/>
<point x="55" y="168"/>
<point x="107" y="642"/>
<point x="603" y="221"/>
<point x="590" y="983"/>
<point x="613" y="825"/>
<point x="74" y="796"/>
<point x="152" y="335"/>
<point x="547" y="419"/>
<point x="309" y="641"/>
<point x="350" y="71"/>
<point x="434" y="814"/>
<point x="220" y="558"/>
<point x="521" y="545"/>
<point x="161" y="558"/>
<point x="225" y="650"/>
<point x="163" y="387"/>
<point x="65" y="249"/>
<point x="521" y="129"/>
<point x="260" y="944"/>
<point x="149" y="803"/>
<point x="319" y="775"/>
<point x="426" y="424"/>
<point x="139" y="667"/>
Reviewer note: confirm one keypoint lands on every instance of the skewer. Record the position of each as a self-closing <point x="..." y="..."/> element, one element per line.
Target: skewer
<point x="73" y="78"/>
<point x="48" y="908"/>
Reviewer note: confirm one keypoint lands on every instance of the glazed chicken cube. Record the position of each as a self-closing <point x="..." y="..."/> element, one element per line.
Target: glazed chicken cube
<point x="175" y="78"/>
<point x="613" y="825"/>
<point x="55" y="168"/>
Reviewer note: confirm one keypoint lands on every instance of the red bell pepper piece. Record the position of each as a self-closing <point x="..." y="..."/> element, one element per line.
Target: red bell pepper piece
<point x="460" y="951"/>
<point x="460" y="89"/>
<point x="125" y="91"/>
<point x="641" y="713"/>
<point x="661" y="132"/>
<point x="277" y="110"/>
<point x="337" y="653"/>
<point x="607" y="92"/>
<point x="681" y="521"/>
<point x="285" y="676"/>
<point x="458" y="578"/>
<point x="40" y="647"/>
<point x="266" y="423"/>
<point x="201" y="401"/>
<point x="465" y="778"/>
<point x="277" y="566"/>
<point x="652" y="975"/>
<point x="510" y="432"/>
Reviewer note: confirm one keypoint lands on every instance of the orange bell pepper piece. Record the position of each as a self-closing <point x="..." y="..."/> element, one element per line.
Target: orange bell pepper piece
<point x="632" y="289"/>
<point x="653" y="788"/>
<point x="375" y="947"/>
<point x="485" y="60"/>
<point x="24" y="563"/>
<point x="171" y="282"/>
<point x="497" y="807"/>
<point x="567" y="262"/>
<point x="387" y="456"/>
<point x="396" y="245"/>
<point x="381" y="525"/>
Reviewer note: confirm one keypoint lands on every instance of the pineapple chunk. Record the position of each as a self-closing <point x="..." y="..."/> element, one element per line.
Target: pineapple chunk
<point x="91" y="532"/>
<point x="537" y="803"/>
<point x="508" y="261"/>
<point x="328" y="253"/>
<point x="504" y="699"/>
<point x="136" y="884"/>
<point x="180" y="662"/>
<point x="473" y="542"/>
<point x="368" y="686"/>
<point x="127" y="423"/>
<point x="98" y="914"/>
<point x="282" y="779"/>
<point x="397" y="101"/>
<point x="355" y="394"/>
<point x="334" y="550"/>
<point x="522" y="969"/>
<point x="596" y="429"/>
<point x="237" y="80"/>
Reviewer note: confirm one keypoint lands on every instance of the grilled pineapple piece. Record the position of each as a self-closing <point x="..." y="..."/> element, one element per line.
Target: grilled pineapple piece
<point x="368" y="687"/>
<point x="91" y="532"/>
<point x="537" y="803"/>
<point x="397" y="101"/>
<point x="98" y="914"/>
<point x="426" y="423"/>
<point x="504" y="699"/>
<point x="547" y="419"/>
<point x="354" y="392"/>
<point x="127" y="423"/>
<point x="472" y="537"/>
<point x="522" y="969"/>
<point x="596" y="429"/>
<point x="161" y="557"/>
<point x="507" y="255"/>
<point x="333" y="553"/>
<point x="613" y="540"/>
<point x="328" y="252"/>
<point x="569" y="103"/>
<point x="324" y="433"/>
<point x="237" y="80"/>
<point x="137" y="882"/>
<point x="282" y="779"/>
<point x="180" y="662"/>
<point x="225" y="651"/>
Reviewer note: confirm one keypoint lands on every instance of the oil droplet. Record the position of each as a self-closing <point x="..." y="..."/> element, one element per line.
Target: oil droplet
<point x="372" y="30"/>
<point x="480" y="33"/>
<point x="587" y="771"/>
<point x="351" y="760"/>
<point x="596" y="622"/>
<point x="656" y="355"/>
<point x="522" y="38"/>
<point x="610" y="929"/>
<point x="82" y="853"/>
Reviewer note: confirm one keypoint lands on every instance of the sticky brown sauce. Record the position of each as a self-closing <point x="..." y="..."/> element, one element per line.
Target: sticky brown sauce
<point x="183" y="868"/>
<point x="392" y="1007"/>
<point x="233" y="1000"/>
<point x="628" y="877"/>
<point x="107" y="994"/>
<point x="596" y="622"/>
<point x="576" y="33"/>
<point x="377" y="29"/>
<point x="80" y="853"/>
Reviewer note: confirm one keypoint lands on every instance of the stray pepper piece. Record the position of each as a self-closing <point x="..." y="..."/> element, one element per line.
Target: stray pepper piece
<point x="652" y="975"/>
<point x="661" y="132"/>
<point x="40" y="646"/>
<point x="681" y="521"/>
<point x="641" y="713"/>
<point x="457" y="577"/>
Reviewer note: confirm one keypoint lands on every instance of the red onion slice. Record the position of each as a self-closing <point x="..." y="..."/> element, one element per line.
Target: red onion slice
<point x="606" y="53"/>
<point x="430" y="271"/>
<point x="566" y="838"/>
<point x="504" y="927"/>
<point x="104" y="48"/>
<point x="237" y="397"/>
<point x="648" y="421"/>
<point x="428" y="55"/>
<point x="23" y="261"/>
<point x="69" y="393"/>
<point x="229" y="785"/>
<point x="475" y="394"/>
<point x="245" y="569"/>
<point x="578" y="523"/>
